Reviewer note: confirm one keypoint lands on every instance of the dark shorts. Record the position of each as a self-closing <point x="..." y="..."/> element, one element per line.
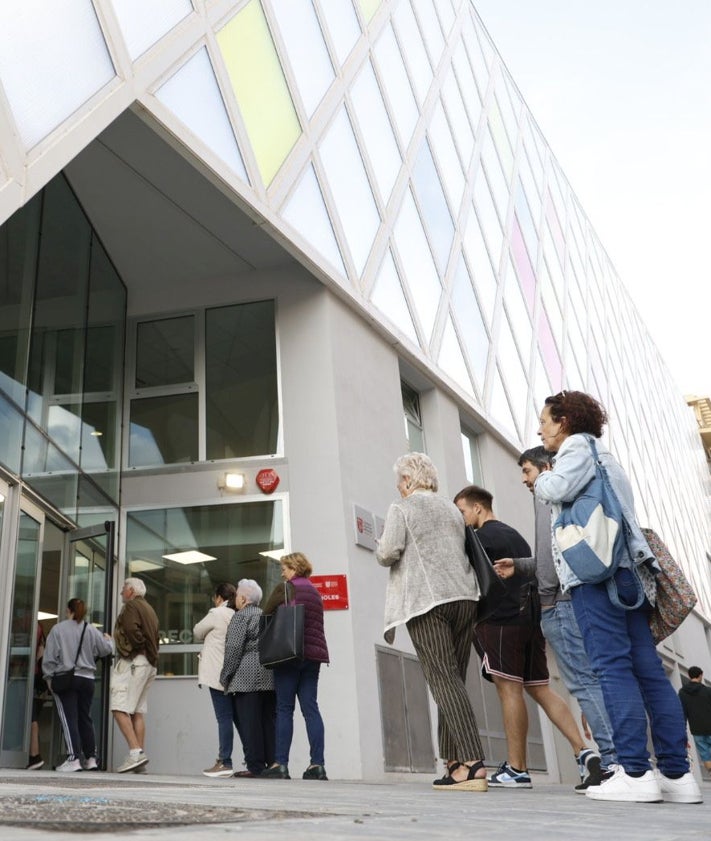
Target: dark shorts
<point x="514" y="652"/>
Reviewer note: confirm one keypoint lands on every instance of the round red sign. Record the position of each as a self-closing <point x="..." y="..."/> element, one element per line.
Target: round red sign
<point x="267" y="480"/>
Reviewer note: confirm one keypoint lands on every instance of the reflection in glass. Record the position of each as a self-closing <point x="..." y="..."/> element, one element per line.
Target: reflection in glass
<point x="377" y="132"/>
<point x="164" y="430"/>
<point x="306" y="49"/>
<point x="414" y="430"/>
<point x="11" y="423"/>
<point x="236" y="535"/>
<point x="18" y="256"/>
<point x="165" y="352"/>
<point x="21" y="660"/>
<point x="351" y="190"/>
<point x="420" y="272"/>
<point x="393" y="77"/>
<point x="242" y="409"/>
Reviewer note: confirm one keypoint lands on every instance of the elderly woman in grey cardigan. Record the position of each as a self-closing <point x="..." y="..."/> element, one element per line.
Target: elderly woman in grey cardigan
<point x="432" y="590"/>
<point x="249" y="684"/>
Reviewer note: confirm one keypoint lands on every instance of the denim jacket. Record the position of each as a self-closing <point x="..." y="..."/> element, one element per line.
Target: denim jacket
<point x="573" y="468"/>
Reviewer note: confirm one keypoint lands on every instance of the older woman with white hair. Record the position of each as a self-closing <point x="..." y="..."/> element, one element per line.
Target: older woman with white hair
<point x="432" y="590"/>
<point x="248" y="683"/>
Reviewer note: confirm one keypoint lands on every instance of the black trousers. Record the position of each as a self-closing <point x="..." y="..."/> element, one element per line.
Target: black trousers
<point x="74" y="709"/>
<point x="256" y="712"/>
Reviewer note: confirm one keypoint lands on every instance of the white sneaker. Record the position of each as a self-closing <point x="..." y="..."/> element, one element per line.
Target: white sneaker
<point x="90" y="764"/>
<point x="69" y="765"/>
<point x="683" y="790"/>
<point x="622" y="787"/>
<point x="130" y="763"/>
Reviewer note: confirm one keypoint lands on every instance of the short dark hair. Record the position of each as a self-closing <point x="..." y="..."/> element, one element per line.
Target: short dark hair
<point x="473" y="493"/>
<point x="538" y="456"/>
<point x="582" y="412"/>
<point x="227" y="593"/>
<point x="694" y="672"/>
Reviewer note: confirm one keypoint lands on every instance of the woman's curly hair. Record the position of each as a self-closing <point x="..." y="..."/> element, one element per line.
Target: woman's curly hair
<point x="579" y="411"/>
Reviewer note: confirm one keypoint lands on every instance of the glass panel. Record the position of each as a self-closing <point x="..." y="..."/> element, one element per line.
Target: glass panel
<point x="414" y="432"/>
<point x="350" y="187"/>
<point x="49" y="471"/>
<point x="388" y="296"/>
<point x="419" y="271"/>
<point x="235" y="541"/>
<point x="12" y="422"/>
<point x="471" y="324"/>
<point x="57" y="344"/>
<point x="413" y="50"/>
<point x="447" y="159"/>
<point x="193" y="95"/>
<point x="395" y="81"/>
<point x="479" y="262"/>
<point x="454" y="105"/>
<point x="164" y="430"/>
<point x="241" y="370"/>
<point x="144" y="23"/>
<point x="434" y="41"/>
<point x="18" y="267"/>
<point x="53" y="58"/>
<point x="308" y="56"/>
<point x="451" y="359"/>
<point x="165" y="352"/>
<point x="260" y="87"/>
<point x="376" y="130"/>
<point x="306" y="211"/>
<point x="342" y="25"/>
<point x="472" y="462"/>
<point x="433" y="206"/>
<point x="22" y="628"/>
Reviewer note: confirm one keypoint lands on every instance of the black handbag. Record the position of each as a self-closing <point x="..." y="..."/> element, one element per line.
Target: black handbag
<point x="62" y="681"/>
<point x="281" y="635"/>
<point x="491" y="586"/>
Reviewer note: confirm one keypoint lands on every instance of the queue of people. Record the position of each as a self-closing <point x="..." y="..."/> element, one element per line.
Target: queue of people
<point x="603" y="645"/>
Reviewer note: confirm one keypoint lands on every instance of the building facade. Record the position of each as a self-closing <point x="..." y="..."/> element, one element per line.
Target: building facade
<point x="289" y="240"/>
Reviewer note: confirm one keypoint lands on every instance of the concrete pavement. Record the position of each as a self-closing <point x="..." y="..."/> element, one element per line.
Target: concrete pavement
<point x="51" y="806"/>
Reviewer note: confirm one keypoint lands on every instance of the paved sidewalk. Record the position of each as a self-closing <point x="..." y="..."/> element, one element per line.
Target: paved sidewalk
<point x="54" y="807"/>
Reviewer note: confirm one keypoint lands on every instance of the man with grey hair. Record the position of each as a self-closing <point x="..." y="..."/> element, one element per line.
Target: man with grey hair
<point x="136" y="643"/>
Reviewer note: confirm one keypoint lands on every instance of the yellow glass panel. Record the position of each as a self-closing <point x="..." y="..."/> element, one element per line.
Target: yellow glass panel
<point x="260" y="87"/>
<point x="369" y="8"/>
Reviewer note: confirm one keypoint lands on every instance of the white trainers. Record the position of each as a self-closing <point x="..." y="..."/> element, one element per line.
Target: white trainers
<point x="90" y="764"/>
<point x="622" y="787"/>
<point x="69" y="765"/>
<point x="683" y="790"/>
<point x="130" y="763"/>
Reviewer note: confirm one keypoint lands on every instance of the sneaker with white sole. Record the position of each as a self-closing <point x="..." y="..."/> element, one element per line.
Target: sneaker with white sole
<point x="132" y="762"/>
<point x="683" y="790"/>
<point x="90" y="764"/>
<point x="505" y="776"/>
<point x="623" y="788"/>
<point x="69" y="765"/>
<point x="219" y="769"/>
<point x="35" y="763"/>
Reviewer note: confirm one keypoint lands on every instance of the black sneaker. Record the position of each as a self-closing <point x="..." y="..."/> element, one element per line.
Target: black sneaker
<point x="506" y="776"/>
<point x="276" y="772"/>
<point x="35" y="763"/>
<point x="590" y="770"/>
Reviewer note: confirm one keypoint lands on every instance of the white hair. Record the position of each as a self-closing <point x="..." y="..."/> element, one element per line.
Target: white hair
<point x="249" y="588"/>
<point x="418" y="469"/>
<point x="138" y="586"/>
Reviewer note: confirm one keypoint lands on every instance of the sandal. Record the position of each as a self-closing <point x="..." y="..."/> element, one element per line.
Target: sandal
<point x="471" y="783"/>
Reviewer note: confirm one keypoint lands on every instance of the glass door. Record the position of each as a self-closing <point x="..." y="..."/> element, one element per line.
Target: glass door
<point x="22" y="635"/>
<point x="88" y="577"/>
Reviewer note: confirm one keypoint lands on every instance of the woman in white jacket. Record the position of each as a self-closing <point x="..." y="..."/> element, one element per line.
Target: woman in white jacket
<point x="213" y="630"/>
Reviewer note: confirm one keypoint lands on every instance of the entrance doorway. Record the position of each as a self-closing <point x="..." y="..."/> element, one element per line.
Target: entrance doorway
<point x="46" y="563"/>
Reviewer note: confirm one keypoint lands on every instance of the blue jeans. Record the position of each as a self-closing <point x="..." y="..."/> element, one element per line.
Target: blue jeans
<point x="223" y="713"/>
<point x="622" y="653"/>
<point x="561" y="630"/>
<point x="298" y="679"/>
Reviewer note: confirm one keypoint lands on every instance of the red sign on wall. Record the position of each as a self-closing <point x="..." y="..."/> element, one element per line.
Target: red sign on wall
<point x="333" y="590"/>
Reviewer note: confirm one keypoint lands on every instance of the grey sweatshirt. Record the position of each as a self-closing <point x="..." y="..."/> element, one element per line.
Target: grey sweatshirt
<point x="62" y="644"/>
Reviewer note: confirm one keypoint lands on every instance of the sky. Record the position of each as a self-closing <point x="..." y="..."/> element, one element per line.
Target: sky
<point x="621" y="90"/>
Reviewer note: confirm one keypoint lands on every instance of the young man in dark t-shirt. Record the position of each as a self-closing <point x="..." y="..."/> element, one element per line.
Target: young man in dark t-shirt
<point x="511" y="645"/>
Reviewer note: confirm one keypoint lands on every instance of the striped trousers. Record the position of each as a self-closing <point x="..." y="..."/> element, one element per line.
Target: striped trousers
<point x="443" y="641"/>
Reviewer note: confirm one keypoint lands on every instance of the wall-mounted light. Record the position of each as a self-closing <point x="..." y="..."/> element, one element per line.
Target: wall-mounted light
<point x="231" y="482"/>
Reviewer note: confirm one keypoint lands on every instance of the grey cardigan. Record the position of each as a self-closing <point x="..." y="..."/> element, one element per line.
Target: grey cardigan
<point x="423" y="544"/>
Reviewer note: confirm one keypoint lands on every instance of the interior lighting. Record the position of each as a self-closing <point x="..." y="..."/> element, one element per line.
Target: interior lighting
<point x="232" y="482"/>
<point x="190" y="556"/>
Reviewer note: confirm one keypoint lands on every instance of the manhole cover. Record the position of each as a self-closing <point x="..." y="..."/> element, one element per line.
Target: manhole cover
<point x="95" y="812"/>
